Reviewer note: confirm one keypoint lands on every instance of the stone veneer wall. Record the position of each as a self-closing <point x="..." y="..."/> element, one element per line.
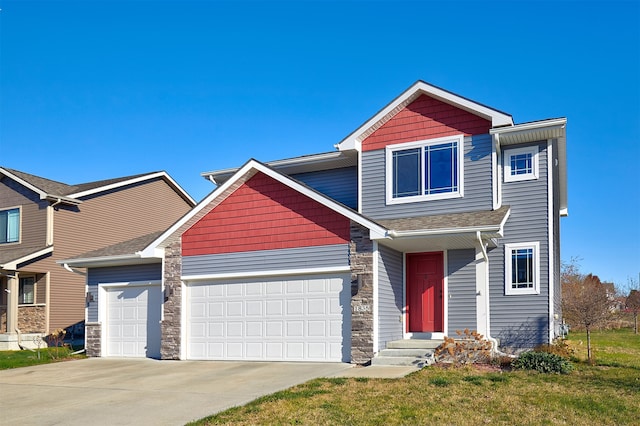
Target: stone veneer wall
<point x="170" y="325"/>
<point x="93" y="336"/>
<point x="31" y="319"/>
<point x="361" y="261"/>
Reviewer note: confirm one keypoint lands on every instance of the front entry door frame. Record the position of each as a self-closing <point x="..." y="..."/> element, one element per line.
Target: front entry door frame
<point x="445" y="291"/>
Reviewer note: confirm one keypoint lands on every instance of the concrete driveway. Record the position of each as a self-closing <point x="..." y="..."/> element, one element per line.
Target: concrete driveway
<point x="100" y="391"/>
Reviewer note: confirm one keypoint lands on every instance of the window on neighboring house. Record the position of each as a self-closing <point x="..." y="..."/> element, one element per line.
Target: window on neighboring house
<point x="10" y="226"/>
<point x="522" y="270"/>
<point x="521" y="164"/>
<point x="420" y="171"/>
<point x="26" y="290"/>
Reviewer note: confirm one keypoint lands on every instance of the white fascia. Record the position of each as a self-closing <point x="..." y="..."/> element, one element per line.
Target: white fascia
<point x="255" y="166"/>
<point x="430" y="232"/>
<point x="138" y="179"/>
<point x="13" y="265"/>
<point x="496" y="117"/>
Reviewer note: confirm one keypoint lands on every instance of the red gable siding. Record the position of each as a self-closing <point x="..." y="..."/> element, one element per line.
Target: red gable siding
<point x="425" y="118"/>
<point x="264" y="214"/>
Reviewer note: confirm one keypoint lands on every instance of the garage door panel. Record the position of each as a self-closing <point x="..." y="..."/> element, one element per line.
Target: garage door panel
<point x="132" y="326"/>
<point x="298" y="318"/>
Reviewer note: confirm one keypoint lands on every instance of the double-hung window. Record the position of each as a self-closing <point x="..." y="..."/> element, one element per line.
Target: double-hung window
<point x="521" y="164"/>
<point x="522" y="268"/>
<point x="425" y="170"/>
<point x="10" y="226"/>
<point x="26" y="290"/>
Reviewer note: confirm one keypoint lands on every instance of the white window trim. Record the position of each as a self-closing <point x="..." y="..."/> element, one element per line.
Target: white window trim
<point x="390" y="149"/>
<point x="508" y="248"/>
<point x="533" y="150"/>
<point x="19" y="208"/>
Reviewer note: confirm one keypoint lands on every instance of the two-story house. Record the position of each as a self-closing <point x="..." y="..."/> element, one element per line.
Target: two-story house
<point x="437" y="214"/>
<point x="42" y="221"/>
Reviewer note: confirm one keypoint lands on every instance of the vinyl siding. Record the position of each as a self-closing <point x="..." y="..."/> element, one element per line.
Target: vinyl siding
<point x="462" y="290"/>
<point x="267" y="260"/>
<point x="33" y="214"/>
<point x="339" y="184"/>
<point x="425" y="118"/>
<point x="264" y="214"/>
<point x="100" y="221"/>
<point x="477" y="185"/>
<point x="390" y="285"/>
<point x="521" y="321"/>
<point x="118" y="274"/>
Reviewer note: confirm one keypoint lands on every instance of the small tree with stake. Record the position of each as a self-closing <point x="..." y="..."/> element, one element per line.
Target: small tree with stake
<point x="633" y="305"/>
<point x="585" y="302"/>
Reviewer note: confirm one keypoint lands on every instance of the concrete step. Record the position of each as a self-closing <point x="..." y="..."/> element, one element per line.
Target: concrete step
<point x="406" y="352"/>
<point x="414" y="344"/>
<point x="415" y="352"/>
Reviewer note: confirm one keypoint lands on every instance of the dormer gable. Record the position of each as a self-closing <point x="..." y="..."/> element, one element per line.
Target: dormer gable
<point x="424" y="111"/>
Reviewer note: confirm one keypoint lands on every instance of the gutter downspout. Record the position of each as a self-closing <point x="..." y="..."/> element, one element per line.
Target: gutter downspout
<point x="70" y="269"/>
<point x="485" y="256"/>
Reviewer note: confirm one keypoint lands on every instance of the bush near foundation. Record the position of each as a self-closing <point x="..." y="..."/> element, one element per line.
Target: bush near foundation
<point x="543" y="362"/>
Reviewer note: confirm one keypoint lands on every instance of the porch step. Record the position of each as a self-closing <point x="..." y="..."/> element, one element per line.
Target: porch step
<point x="417" y="353"/>
<point x="414" y="344"/>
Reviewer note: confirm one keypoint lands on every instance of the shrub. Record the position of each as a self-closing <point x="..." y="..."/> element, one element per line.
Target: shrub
<point x="471" y="347"/>
<point x="543" y="362"/>
<point x="558" y="347"/>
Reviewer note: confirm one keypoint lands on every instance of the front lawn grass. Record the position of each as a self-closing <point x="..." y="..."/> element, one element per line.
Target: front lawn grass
<point x="26" y="358"/>
<point x="606" y="394"/>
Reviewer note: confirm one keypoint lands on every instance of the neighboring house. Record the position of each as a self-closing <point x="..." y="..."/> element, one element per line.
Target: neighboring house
<point x="437" y="214"/>
<point x="42" y="221"/>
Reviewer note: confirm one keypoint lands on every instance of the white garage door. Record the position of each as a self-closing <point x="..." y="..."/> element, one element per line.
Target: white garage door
<point x="305" y="318"/>
<point x="133" y="321"/>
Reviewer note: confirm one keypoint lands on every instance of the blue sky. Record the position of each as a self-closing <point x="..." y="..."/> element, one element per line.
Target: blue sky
<point x="92" y="90"/>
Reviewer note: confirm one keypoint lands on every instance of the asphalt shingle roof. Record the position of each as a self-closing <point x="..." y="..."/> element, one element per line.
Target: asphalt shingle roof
<point x="484" y="218"/>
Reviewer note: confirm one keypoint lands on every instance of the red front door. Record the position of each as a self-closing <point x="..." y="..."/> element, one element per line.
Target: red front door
<point x="425" y="285"/>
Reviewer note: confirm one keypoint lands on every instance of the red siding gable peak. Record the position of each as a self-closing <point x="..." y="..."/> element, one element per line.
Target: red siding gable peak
<point x="425" y="118"/>
<point x="420" y="88"/>
<point x="264" y="214"/>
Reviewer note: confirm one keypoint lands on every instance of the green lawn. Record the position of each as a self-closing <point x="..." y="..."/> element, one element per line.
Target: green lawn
<point x="605" y="394"/>
<point x="15" y="359"/>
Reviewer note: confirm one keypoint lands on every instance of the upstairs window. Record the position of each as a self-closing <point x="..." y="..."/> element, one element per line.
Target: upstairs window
<point x="421" y="171"/>
<point x="9" y="226"/>
<point x="521" y="164"/>
<point x="26" y="291"/>
<point x="522" y="268"/>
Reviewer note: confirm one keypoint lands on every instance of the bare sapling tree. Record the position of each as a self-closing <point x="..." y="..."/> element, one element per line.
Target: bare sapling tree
<point x="585" y="302"/>
<point x="632" y="305"/>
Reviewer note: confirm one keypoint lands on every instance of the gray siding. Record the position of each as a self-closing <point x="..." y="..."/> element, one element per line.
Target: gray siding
<point x="462" y="290"/>
<point x="267" y="260"/>
<point x="390" y="285"/>
<point x="477" y="185"/>
<point x="118" y="274"/>
<point x="522" y="321"/>
<point x="339" y="184"/>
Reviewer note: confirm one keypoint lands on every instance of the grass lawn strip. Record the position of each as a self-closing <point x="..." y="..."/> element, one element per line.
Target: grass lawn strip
<point x="26" y="358"/>
<point x="604" y="395"/>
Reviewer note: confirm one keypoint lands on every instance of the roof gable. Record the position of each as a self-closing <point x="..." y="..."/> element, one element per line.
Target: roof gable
<point x="246" y="172"/>
<point x="71" y="194"/>
<point x="425" y="118"/>
<point x="418" y="89"/>
<point x="264" y="214"/>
